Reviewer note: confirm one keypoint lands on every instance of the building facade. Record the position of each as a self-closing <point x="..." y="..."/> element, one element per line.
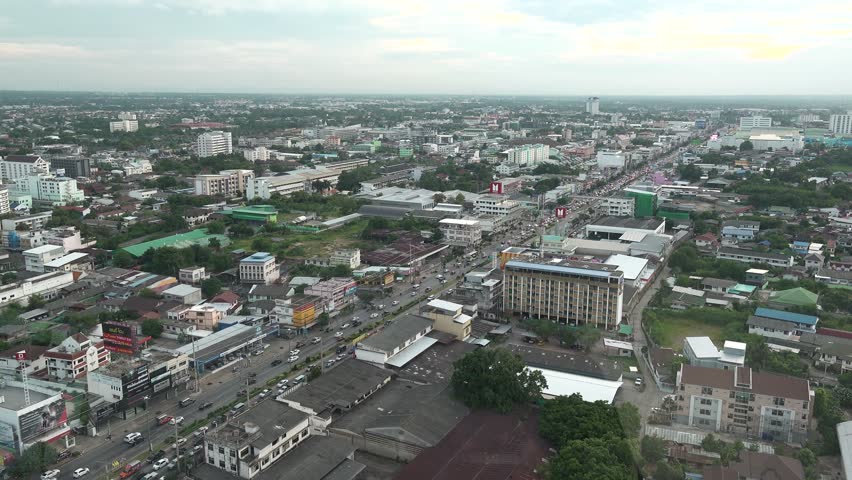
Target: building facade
<point x="527" y="155"/>
<point x="36" y="258"/>
<point x="461" y="233"/>
<point x="259" y="268"/>
<point x="617" y="207"/>
<point x="73" y="166"/>
<point x="75" y="357"/>
<point x="755" y="121"/>
<point x="124" y="126"/>
<point x="593" y="105"/>
<point x="840" y="124"/>
<point x="209" y="144"/>
<point x="56" y="191"/>
<point x="13" y="167"/>
<point x="226" y="182"/>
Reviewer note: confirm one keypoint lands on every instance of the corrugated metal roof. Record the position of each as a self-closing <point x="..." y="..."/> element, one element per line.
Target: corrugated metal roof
<point x="786" y="316"/>
<point x="558" y="269"/>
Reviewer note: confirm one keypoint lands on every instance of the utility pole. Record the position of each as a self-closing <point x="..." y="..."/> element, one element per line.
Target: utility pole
<point x="195" y="367"/>
<point x="148" y="421"/>
<point x="177" y="447"/>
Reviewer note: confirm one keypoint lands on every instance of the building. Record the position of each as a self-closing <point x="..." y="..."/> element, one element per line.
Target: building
<point x="497" y="205"/>
<point x="185" y="294"/>
<point x="617" y="207"/>
<point x="702" y="352"/>
<point x="124" y="382"/>
<point x="209" y="144"/>
<point x="72" y="262"/>
<point x="350" y="258"/>
<point x="72" y="166"/>
<point x="593" y="105"/>
<point x="751" y="256"/>
<point x="625" y="229"/>
<point x="398" y="343"/>
<point x="48" y="189"/>
<point x="13" y="167"/>
<point x="46" y="285"/>
<point x="611" y="159"/>
<point x="781" y="324"/>
<point x="75" y="357"/>
<point x="336" y="292"/>
<point x="193" y="275"/>
<point x="124" y="126"/>
<point x="755" y="121"/>
<point x="253" y="213"/>
<point x="461" y="233"/>
<point x="31" y="414"/>
<point x="259" y="267"/>
<point x="448" y="317"/>
<point x="265" y="187"/>
<point x="252" y="441"/>
<point x="36" y="258"/>
<point x="257" y="154"/>
<point x="527" y="155"/>
<point x="645" y="201"/>
<point x="567" y="292"/>
<point x="745" y="402"/>
<point x="5" y="207"/>
<point x="750" y="465"/>
<point x="229" y="183"/>
<point x="840" y="124"/>
<point x="180" y="240"/>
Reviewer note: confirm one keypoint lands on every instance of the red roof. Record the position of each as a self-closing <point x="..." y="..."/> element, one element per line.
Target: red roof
<point x="227" y="297"/>
<point x="834" y="333"/>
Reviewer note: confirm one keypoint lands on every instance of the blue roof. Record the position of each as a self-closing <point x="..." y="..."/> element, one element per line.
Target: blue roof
<point x="801" y="244"/>
<point x="258" y="257"/>
<point x="786" y="316"/>
<point x="560" y="269"/>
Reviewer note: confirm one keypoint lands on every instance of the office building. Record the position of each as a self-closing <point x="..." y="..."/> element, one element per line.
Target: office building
<point x="611" y="159"/>
<point x="449" y="318"/>
<point x="461" y="233"/>
<point x="127" y="116"/>
<point x="840" y="124"/>
<point x="257" y="154"/>
<point x="497" y="205"/>
<point x="209" y="144"/>
<point x="229" y="183"/>
<point x="527" y="155"/>
<point x="755" y="121"/>
<point x="193" y="275"/>
<point x="336" y="293"/>
<point x="73" y="166"/>
<point x="75" y="357"/>
<point x="617" y="207"/>
<point x="744" y="402"/>
<point x="350" y="258"/>
<point x="124" y="126"/>
<point x="36" y="258"/>
<point x="13" y="167"/>
<point x="566" y="292"/>
<point x="593" y="105"/>
<point x="48" y="189"/>
<point x="31" y="413"/>
<point x="259" y="268"/>
<point x="646" y="201"/>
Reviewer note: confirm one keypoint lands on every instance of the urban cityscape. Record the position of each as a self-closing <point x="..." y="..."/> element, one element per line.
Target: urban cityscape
<point x="446" y="274"/>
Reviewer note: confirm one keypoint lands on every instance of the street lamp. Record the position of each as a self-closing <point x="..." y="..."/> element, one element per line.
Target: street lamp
<point x="148" y="421"/>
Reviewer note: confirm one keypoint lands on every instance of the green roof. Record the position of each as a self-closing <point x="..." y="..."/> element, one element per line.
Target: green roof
<point x="625" y="329"/>
<point x="551" y="238"/>
<point x="743" y="288"/>
<point x="181" y="240"/>
<point x="794" y="296"/>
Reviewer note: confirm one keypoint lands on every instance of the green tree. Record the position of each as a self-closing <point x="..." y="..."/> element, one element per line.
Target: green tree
<point x="9" y="277"/>
<point x="757" y="352"/>
<point x="564" y="419"/>
<point x="667" y="471"/>
<point x="211" y="287"/>
<point x="652" y="448"/>
<point x="214" y="243"/>
<point x="123" y="259"/>
<point x="35" y="301"/>
<point x="542" y="327"/>
<point x="746" y="146"/>
<point x="152" y="327"/>
<point x="631" y="420"/>
<point x="587" y="335"/>
<point x="690" y="173"/>
<point x="215" y="228"/>
<point x="34" y="460"/>
<point x="591" y="459"/>
<point x="314" y="372"/>
<point x="495" y="378"/>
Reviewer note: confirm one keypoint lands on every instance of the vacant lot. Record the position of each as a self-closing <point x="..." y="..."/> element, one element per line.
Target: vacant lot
<point x="669" y="327"/>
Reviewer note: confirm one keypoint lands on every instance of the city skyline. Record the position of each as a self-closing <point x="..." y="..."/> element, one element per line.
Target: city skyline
<point x="399" y="47"/>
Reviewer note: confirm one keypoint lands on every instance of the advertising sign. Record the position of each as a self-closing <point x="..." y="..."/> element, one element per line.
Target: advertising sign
<point x="561" y="212"/>
<point x="20" y="356"/>
<point x="42" y="420"/>
<point x="119" y="337"/>
<point x="496" y="187"/>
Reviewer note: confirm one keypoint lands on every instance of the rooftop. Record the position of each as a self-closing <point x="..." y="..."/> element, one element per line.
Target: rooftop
<point x="571" y="268"/>
<point x="786" y="316"/>
<point x="340" y="387"/>
<point x="181" y="290"/>
<point x="567" y="362"/>
<point x="763" y="383"/>
<point x="457" y="221"/>
<point x="274" y="419"/>
<point x="627" y="222"/>
<point x="43" y="249"/>
<point x="181" y="240"/>
<point x="260" y="257"/>
<point x="444" y="305"/>
<point x="317" y="458"/>
<point x="14" y="398"/>
<point x="395" y="335"/>
<point x="702" y="347"/>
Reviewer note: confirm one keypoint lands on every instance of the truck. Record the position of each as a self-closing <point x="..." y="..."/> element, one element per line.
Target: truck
<point x="130" y="469"/>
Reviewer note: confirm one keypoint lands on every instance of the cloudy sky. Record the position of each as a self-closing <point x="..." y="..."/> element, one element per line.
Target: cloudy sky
<point x="530" y="47"/>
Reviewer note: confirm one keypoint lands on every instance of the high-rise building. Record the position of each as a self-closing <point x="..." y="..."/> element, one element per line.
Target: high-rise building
<point x="47" y="189"/>
<point x="124" y="126"/>
<point x="73" y="166"/>
<point x="226" y="182"/>
<point x="755" y="121"/>
<point x="840" y="124"/>
<point x="566" y="292"/>
<point x="527" y="155"/>
<point x="17" y="166"/>
<point x="210" y="144"/>
<point x="593" y="105"/>
<point x="646" y="201"/>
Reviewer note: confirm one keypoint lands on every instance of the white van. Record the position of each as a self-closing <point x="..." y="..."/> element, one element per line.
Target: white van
<point x="299" y="379"/>
<point x="237" y="408"/>
<point x="132" y="438"/>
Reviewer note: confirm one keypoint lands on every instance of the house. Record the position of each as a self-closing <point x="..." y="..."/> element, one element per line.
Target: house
<point x="738" y="234"/>
<point x="756" y="466"/>
<point x="751" y="256"/>
<point x="793" y="297"/>
<point x="185" y="294"/>
<point x="75" y="357"/>
<point x="398" y="343"/>
<point x="193" y="275"/>
<point x="707" y="241"/>
<point x="448" y="317"/>
<point x="834" y="277"/>
<point x="717" y="285"/>
<point x="780" y="324"/>
<point x="831" y="348"/>
<point x="756" y="277"/>
<point x="702" y="352"/>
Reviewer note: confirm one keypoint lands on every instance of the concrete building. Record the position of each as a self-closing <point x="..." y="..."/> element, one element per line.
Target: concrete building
<point x="142" y="194"/>
<point x="611" y="159"/>
<point x="840" y="124"/>
<point x="36" y="258"/>
<point x="128" y="126"/>
<point x="567" y="292"/>
<point x="124" y="382"/>
<point x="265" y="187"/>
<point x="781" y="324"/>
<point x="625" y="229"/>
<point x="497" y="205"/>
<point x="257" y="154"/>
<point x="751" y="256"/>
<point x="229" y="183"/>
<point x="593" y="105"/>
<point x="617" y="207"/>
<point x="702" y="352"/>
<point x="73" y="166"/>
<point x="259" y="268"/>
<point x="75" y="357"/>
<point x="350" y="258"/>
<point x="755" y="121"/>
<point x="744" y="402"/>
<point x="398" y="343"/>
<point x="4" y="200"/>
<point x="31" y="414"/>
<point x="46" y="285"/>
<point x="13" y="167"/>
<point x="193" y="275"/>
<point x="461" y="233"/>
<point x="527" y="155"/>
<point x="448" y="317"/>
<point x="209" y="144"/>
<point x="47" y="189"/>
<point x="205" y="316"/>
<point x="185" y="294"/>
<point x="336" y="292"/>
<point x="71" y="262"/>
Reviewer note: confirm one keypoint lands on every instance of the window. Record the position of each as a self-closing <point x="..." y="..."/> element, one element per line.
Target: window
<point x="706" y="391"/>
<point x="211" y="461"/>
<point x="234" y="467"/>
<point x="221" y="464"/>
<point x="775" y="423"/>
<point x="706" y="401"/>
<point x="779" y="401"/>
<point x="704" y="411"/>
<point x="222" y="450"/>
<point x="777" y="413"/>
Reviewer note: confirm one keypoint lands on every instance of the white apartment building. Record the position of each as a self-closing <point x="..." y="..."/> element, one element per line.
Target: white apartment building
<point x="350" y="258"/>
<point x="75" y="357"/>
<point x="593" y="105"/>
<point x="4" y="199"/>
<point x="124" y="126"/>
<point x="137" y="167"/>
<point x="209" y="144"/>
<point x="265" y="187"/>
<point x="126" y="116"/>
<point x="617" y="207"/>
<point x="45" y="188"/>
<point x="840" y="124"/>
<point x="755" y="121"/>
<point x="36" y="221"/>
<point x="461" y="233"/>
<point x="142" y="194"/>
<point x="259" y="267"/>
<point x="611" y="159"/>
<point x="46" y="285"/>
<point x="256" y="154"/>
<point x="226" y="182"/>
<point x="496" y="205"/>
<point x="193" y="275"/>
<point x="36" y="258"/>
<point x="13" y="167"/>
<point x="527" y="155"/>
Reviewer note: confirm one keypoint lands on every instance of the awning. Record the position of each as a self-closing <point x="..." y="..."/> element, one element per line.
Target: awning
<point x="567" y="384"/>
<point x="407" y="354"/>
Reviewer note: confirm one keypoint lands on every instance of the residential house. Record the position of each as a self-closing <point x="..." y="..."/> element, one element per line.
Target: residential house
<point x="781" y="324"/>
<point x="75" y="357"/>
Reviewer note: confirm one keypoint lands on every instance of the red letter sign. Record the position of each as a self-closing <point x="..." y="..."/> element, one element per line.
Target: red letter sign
<point x="561" y="212"/>
<point x="20" y="356"/>
<point x="496" y="187"/>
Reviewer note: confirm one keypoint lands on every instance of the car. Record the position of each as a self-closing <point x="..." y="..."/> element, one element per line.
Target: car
<point x="316" y="340"/>
<point x="430" y="297"/>
<point x="300" y="344"/>
<point x="201" y="431"/>
<point x="156" y="456"/>
<point x="338" y="335"/>
<point x="428" y="289"/>
<point x="413" y="294"/>
<point x="241" y="392"/>
<point x="180" y="442"/>
<point x="50" y="474"/>
<point x="293" y="358"/>
<point x="355" y="320"/>
<point x="345" y="326"/>
<point x="276" y="362"/>
<point x="283" y="383"/>
<point x="151" y="476"/>
<point x="63" y="455"/>
<point x="80" y="472"/>
<point x="356" y="323"/>
<point x="251" y="381"/>
<point x="264" y="393"/>
<point x="395" y="303"/>
<point x="329" y="363"/>
<point x="161" y="463"/>
<point x="373" y="315"/>
<point x="197" y="449"/>
<point x="295" y="352"/>
<point x="638" y="382"/>
<point x="415" y="286"/>
<point x="176" y="421"/>
<point x="205" y="405"/>
<point x="340" y="357"/>
<point x="381" y="307"/>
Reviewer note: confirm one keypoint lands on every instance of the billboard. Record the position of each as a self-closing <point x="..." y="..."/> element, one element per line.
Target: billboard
<point x="136" y="383"/>
<point x="41" y="420"/>
<point x="496" y="187"/>
<point x="561" y="212"/>
<point x="119" y="337"/>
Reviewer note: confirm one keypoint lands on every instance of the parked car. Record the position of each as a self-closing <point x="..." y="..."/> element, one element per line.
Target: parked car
<point x="201" y="431"/>
<point x="300" y="344"/>
<point x="295" y="352"/>
<point x="176" y="421"/>
<point x="283" y="383"/>
<point x="264" y="393"/>
<point x="395" y="303"/>
<point x="161" y="463"/>
<point x="50" y="474"/>
<point x="340" y="357"/>
<point x="205" y="405"/>
<point x="345" y="325"/>
<point x="329" y="363"/>
<point x="373" y="315"/>
<point x="316" y="340"/>
<point x="293" y="358"/>
<point x="277" y="362"/>
<point x="413" y="294"/>
<point x="179" y="443"/>
<point x="80" y="472"/>
<point x="338" y="335"/>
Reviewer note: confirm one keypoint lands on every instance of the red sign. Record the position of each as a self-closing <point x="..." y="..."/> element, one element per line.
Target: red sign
<point x="561" y="212"/>
<point x="496" y="187"/>
<point x="20" y="356"/>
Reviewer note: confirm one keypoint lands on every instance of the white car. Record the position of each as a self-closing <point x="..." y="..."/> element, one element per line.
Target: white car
<point x="201" y="431"/>
<point x="180" y="441"/>
<point x="293" y="358"/>
<point x="375" y="315"/>
<point x="338" y="335"/>
<point x="395" y="303"/>
<point x="295" y="352"/>
<point x="283" y="383"/>
<point x="152" y="475"/>
<point x="264" y="393"/>
<point x="176" y="421"/>
<point x="161" y="463"/>
<point x="316" y="340"/>
<point x="80" y="472"/>
<point x="50" y="474"/>
<point x="345" y="325"/>
<point x="413" y="294"/>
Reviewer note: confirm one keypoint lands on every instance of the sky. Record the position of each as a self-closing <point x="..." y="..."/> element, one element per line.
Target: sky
<point x="465" y="47"/>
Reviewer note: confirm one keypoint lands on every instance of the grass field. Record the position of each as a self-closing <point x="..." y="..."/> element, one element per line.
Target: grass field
<point x="672" y="331"/>
<point x="306" y="245"/>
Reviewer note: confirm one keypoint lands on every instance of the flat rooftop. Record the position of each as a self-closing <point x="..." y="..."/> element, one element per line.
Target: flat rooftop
<point x="627" y="222"/>
<point x="340" y="387"/>
<point x="14" y="398"/>
<point x="567" y="362"/>
<point x="271" y="417"/>
<point x="395" y="334"/>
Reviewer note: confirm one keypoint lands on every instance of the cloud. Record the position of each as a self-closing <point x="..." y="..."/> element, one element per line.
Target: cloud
<point x="44" y="50"/>
<point x="416" y="45"/>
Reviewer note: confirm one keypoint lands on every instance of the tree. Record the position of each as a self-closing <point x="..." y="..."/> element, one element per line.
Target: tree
<point x="757" y="352"/>
<point x="690" y="173"/>
<point x="215" y="228"/>
<point x="666" y="471"/>
<point x="592" y="459"/>
<point x="746" y="146"/>
<point x="35" y="301"/>
<point x="123" y="259"/>
<point x="495" y="379"/>
<point x="439" y="197"/>
<point x="9" y="277"/>
<point x="542" y="327"/>
<point x="652" y="448"/>
<point x="587" y="335"/>
<point x="82" y="410"/>
<point x="459" y="199"/>
<point x="214" y="243"/>
<point x="564" y="419"/>
<point x="34" y="460"/>
<point x="211" y="287"/>
<point x="152" y="328"/>
<point x="631" y="420"/>
<point x="314" y="372"/>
